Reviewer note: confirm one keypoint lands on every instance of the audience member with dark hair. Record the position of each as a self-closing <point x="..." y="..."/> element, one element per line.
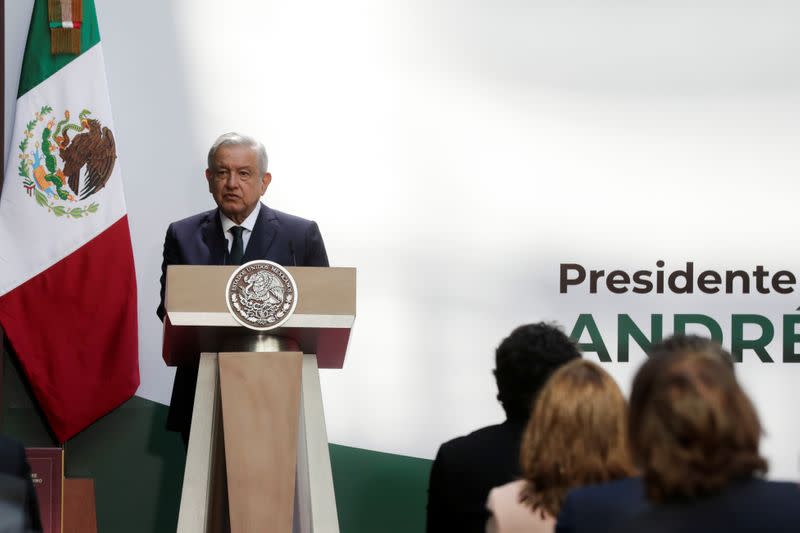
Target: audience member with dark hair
<point x="577" y="434"/>
<point x="695" y="436"/>
<point x="466" y="468"/>
<point x="601" y="508"/>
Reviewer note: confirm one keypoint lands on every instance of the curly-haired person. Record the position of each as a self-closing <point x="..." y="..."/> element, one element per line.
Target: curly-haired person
<point x="466" y="468"/>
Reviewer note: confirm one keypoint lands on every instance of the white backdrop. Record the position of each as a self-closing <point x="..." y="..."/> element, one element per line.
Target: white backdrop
<point x="457" y="153"/>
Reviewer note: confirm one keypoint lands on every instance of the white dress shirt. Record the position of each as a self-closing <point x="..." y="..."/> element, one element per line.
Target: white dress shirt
<point x="248" y="225"/>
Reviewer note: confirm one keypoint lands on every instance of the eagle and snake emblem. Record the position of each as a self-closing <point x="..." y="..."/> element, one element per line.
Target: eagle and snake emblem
<point x="261" y="295"/>
<point x="64" y="163"/>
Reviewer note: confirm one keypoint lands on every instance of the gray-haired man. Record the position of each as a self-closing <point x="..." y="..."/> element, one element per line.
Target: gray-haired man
<point x="239" y="230"/>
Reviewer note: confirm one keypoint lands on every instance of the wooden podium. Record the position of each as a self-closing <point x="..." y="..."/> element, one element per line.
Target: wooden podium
<point x="258" y="456"/>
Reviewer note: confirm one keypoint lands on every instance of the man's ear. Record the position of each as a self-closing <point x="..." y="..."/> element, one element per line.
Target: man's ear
<point x="209" y="177"/>
<point x="265" y="181"/>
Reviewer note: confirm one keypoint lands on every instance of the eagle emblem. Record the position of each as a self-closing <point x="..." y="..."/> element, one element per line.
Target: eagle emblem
<point x="63" y="163"/>
<point x="261" y="295"/>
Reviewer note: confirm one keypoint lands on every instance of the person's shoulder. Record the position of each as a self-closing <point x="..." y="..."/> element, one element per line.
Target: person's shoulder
<point x="748" y="505"/>
<point x="610" y="490"/>
<point x="504" y="496"/>
<point x="464" y="448"/>
<point x="510" y="490"/>
<point x="194" y="220"/>
<point x="479" y="435"/>
<point x="284" y="218"/>
<point x="773" y="491"/>
<point x="487" y="432"/>
<point x="511" y="514"/>
<point x="778" y="503"/>
<point x="599" y="507"/>
<point x="789" y="487"/>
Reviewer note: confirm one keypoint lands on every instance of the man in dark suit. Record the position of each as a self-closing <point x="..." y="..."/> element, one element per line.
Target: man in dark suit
<point x="467" y="468"/>
<point x="241" y="229"/>
<point x="16" y="486"/>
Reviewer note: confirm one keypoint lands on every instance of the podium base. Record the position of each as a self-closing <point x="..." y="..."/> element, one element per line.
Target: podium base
<point x="267" y="467"/>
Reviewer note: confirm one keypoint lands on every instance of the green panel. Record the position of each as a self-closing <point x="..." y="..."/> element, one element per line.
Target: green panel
<point x="37" y="63"/>
<point x="21" y="416"/>
<point x="137" y="466"/>
<point x="379" y="492"/>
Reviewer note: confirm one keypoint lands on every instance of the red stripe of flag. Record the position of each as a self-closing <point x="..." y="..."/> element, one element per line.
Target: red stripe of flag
<point x="74" y="329"/>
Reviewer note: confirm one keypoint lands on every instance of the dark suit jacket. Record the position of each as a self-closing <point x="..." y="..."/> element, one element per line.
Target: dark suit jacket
<point x="14" y="463"/>
<point x="601" y="508"/>
<point x="198" y="240"/>
<point x="465" y="470"/>
<point x="750" y="506"/>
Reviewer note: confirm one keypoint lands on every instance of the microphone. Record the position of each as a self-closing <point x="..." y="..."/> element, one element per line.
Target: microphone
<point x="291" y="249"/>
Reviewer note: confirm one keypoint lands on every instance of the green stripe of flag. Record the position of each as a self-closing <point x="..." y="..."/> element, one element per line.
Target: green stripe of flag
<point x="38" y="64"/>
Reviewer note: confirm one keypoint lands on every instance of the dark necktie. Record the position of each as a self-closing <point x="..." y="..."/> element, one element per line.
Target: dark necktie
<point x="237" y="249"/>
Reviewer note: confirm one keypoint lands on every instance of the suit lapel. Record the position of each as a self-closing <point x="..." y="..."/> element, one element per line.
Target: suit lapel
<point x="215" y="240"/>
<point x="264" y="233"/>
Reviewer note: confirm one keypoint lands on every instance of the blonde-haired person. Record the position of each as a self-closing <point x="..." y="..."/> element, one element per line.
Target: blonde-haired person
<point x="577" y="434"/>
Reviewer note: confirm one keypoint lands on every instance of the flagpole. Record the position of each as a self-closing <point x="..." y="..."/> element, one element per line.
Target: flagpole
<point x="3" y="170"/>
<point x="3" y="134"/>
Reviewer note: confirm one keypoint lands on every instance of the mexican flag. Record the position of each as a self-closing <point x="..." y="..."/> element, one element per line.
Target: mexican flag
<point x="67" y="280"/>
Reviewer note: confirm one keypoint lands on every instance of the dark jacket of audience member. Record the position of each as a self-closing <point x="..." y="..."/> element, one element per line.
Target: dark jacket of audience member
<point x="746" y="506"/>
<point x="577" y="434"/>
<point x="602" y="507"/>
<point x="466" y="468"/>
<point x="695" y="436"/>
<point x="464" y="471"/>
<point x="13" y="463"/>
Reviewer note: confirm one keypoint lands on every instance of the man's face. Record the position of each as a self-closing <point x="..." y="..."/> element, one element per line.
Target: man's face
<point x="234" y="181"/>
